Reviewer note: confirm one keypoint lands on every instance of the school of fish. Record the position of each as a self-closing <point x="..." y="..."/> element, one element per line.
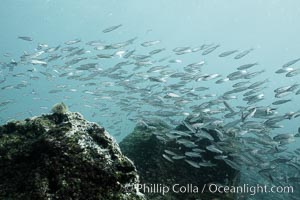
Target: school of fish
<point x="145" y="80"/>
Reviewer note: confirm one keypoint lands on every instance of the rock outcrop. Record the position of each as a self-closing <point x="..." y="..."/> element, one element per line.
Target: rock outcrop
<point x="63" y="156"/>
<point x="146" y="145"/>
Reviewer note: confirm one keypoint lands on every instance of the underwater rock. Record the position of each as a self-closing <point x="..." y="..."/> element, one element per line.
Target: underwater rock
<point x="60" y="108"/>
<point x="145" y="147"/>
<point x="63" y="156"/>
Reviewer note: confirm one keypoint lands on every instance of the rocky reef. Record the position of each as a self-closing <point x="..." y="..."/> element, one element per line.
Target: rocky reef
<point x="63" y="156"/>
<point x="146" y="145"/>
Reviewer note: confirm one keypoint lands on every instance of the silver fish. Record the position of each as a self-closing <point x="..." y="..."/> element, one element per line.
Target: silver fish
<point x="208" y="77"/>
<point x="223" y="80"/>
<point x="170" y="152"/>
<point x="196" y="49"/>
<point x="75" y="60"/>
<point x="162" y="139"/>
<point x="239" y="84"/>
<point x="282" y="94"/>
<point x="189" y="50"/>
<point x="274" y="120"/>
<point x="231" y="115"/>
<point x="293" y="87"/>
<point x="282" y="89"/>
<point x="189" y="126"/>
<point x="279" y="102"/>
<point x="232" y="164"/>
<point x="237" y="75"/>
<point x="37" y="54"/>
<point x="283" y="136"/>
<point x="70" y="42"/>
<point x="293" y="72"/>
<point x="284" y="70"/>
<point x="26" y="38"/>
<point x="228" y="97"/>
<point x="256" y="84"/>
<point x="227" y="53"/>
<point x="209" y="50"/>
<point x="178" y="157"/>
<point x="186" y="143"/>
<point x="87" y="66"/>
<point x="156" y="51"/>
<point x="198" y="150"/>
<point x="156" y="79"/>
<point x="54" y="91"/>
<point x="281" y="160"/>
<point x="4" y="103"/>
<point x="157" y="68"/>
<point x="201" y="89"/>
<point x="192" y="163"/>
<point x="192" y="154"/>
<point x="228" y="107"/>
<point x="175" y="61"/>
<point x="247" y="66"/>
<point x="171" y="95"/>
<point x="252" y="96"/>
<point x="105" y="55"/>
<point x="111" y="28"/>
<point x="171" y="136"/>
<point x="253" y="74"/>
<point x="95" y="43"/>
<point x="68" y="49"/>
<point x="250" y="114"/>
<point x="256" y="98"/>
<point x="204" y="134"/>
<point x="180" y="133"/>
<point x="290" y="63"/>
<point x="167" y="158"/>
<point x="196" y="64"/>
<point x="207" y="164"/>
<point x="128" y="54"/>
<point x="38" y="62"/>
<point x="243" y="53"/>
<point x="214" y="149"/>
<point x="179" y="49"/>
<point x="150" y="43"/>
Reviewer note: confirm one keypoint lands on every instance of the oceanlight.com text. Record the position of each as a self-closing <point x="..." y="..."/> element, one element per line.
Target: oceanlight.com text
<point x="252" y="190"/>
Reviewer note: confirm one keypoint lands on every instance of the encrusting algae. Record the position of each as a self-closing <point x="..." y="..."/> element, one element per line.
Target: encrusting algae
<point x="60" y="108"/>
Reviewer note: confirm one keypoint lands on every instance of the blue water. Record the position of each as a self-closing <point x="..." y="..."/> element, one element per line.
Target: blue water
<point x="270" y="27"/>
